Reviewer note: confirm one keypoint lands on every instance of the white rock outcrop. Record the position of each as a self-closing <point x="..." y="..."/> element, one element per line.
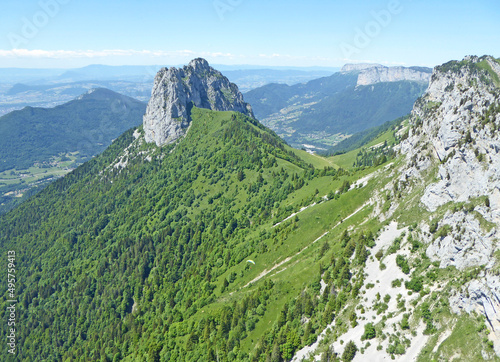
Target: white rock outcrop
<point x="356" y="67"/>
<point x="175" y="91"/>
<point x="466" y="243"/>
<point x="450" y="117"/>
<point x="376" y="73"/>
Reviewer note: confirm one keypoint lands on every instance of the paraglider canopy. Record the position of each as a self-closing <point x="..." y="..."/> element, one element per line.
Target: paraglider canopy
<point x="251" y="261"/>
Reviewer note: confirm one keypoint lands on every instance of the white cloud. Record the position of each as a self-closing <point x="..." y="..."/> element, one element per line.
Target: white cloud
<point x="65" y="54"/>
<point x="371" y="61"/>
<point x="74" y="58"/>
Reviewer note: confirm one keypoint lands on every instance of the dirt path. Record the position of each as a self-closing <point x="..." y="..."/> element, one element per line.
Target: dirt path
<point x="266" y="271"/>
<point x="295" y="213"/>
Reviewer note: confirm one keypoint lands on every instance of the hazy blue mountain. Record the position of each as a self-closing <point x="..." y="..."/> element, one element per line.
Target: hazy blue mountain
<point x="96" y="72"/>
<point x="14" y="75"/>
<point x="86" y="124"/>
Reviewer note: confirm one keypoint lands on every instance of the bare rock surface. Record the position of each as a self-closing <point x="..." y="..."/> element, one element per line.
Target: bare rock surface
<point x="176" y="91"/>
<point x="376" y="73"/>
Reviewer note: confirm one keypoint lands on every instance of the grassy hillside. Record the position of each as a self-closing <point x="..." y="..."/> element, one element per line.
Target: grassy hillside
<point x="147" y="248"/>
<point x="360" y="139"/>
<point x="377" y="143"/>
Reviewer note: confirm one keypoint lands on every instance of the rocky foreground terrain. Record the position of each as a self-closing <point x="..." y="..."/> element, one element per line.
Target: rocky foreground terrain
<point x="441" y="202"/>
<point x="456" y="133"/>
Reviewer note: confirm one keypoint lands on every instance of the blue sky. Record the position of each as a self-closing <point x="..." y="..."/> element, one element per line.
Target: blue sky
<point x="74" y="33"/>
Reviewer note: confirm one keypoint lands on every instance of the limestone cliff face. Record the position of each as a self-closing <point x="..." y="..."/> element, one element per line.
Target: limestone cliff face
<point x="359" y="67"/>
<point x="454" y="132"/>
<point x="376" y="73"/>
<point x="457" y="121"/>
<point x="175" y="91"/>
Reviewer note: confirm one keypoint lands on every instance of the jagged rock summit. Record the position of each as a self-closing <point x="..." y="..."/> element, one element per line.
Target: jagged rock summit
<point x="376" y="73"/>
<point x="175" y="91"/>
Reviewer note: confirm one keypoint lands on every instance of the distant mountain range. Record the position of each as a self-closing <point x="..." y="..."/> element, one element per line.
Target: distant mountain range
<point x="321" y="112"/>
<point x="51" y="87"/>
<point x="246" y="77"/>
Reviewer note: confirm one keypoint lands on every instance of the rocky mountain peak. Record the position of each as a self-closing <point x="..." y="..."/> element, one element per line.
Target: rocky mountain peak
<point x="456" y="123"/>
<point x="176" y="90"/>
<point x="199" y="64"/>
<point x="460" y="103"/>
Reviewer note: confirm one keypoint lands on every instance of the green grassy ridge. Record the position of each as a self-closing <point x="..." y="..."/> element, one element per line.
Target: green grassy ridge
<point x="348" y="159"/>
<point x="300" y="269"/>
<point x="304" y="268"/>
<point x="360" y="139"/>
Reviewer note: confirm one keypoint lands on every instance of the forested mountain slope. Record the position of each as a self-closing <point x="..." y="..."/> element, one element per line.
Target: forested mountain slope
<point x="85" y="125"/>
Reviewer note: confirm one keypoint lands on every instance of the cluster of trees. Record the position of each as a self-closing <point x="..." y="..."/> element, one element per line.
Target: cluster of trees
<point x="374" y="156"/>
<point x="362" y="138"/>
